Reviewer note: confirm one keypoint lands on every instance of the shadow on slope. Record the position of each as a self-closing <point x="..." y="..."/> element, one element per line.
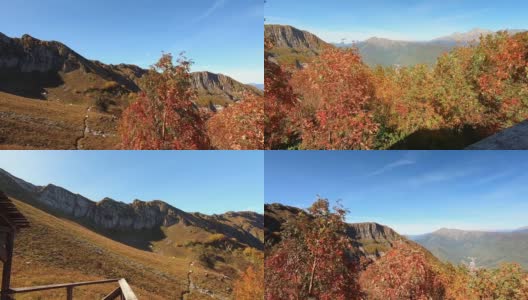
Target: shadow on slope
<point x="441" y="139"/>
<point x="29" y="85"/>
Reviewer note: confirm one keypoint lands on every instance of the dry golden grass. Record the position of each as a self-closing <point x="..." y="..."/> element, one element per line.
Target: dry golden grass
<point x="38" y="124"/>
<point x="55" y="250"/>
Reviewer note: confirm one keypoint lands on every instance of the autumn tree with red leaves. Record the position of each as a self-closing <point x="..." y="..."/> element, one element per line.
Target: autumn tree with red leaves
<point x="164" y="115"/>
<point x="336" y="91"/>
<point x="312" y="260"/>
<point x="403" y="273"/>
<point x="239" y="126"/>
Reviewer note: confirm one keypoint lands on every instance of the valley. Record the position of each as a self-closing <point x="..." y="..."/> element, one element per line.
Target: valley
<point x="372" y="261"/>
<point x="480" y="248"/>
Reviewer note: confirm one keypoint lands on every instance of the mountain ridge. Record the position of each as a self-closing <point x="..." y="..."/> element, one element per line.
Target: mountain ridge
<point x="49" y="63"/>
<point x="116" y="216"/>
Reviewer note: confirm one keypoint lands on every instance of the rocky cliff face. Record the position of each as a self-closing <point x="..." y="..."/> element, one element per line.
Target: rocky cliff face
<point x="207" y="83"/>
<point x="28" y="54"/>
<point x="283" y="36"/>
<point x="371" y="231"/>
<point x="109" y="214"/>
<point x="21" y="56"/>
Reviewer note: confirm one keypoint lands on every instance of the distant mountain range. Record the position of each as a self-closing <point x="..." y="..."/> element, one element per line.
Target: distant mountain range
<point x="294" y="46"/>
<point x="372" y="240"/>
<point x="259" y="86"/>
<point x="485" y="249"/>
<point x="386" y="52"/>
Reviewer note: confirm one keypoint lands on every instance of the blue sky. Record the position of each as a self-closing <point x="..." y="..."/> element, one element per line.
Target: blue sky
<point x="222" y="36"/>
<point x="414" y="192"/>
<point x="203" y="181"/>
<point x="333" y="20"/>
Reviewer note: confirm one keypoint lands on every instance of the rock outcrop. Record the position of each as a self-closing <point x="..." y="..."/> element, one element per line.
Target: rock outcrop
<point x="371" y="231"/>
<point x="207" y="83"/>
<point x="21" y="56"/>
<point x="284" y="36"/>
<point x="514" y="138"/>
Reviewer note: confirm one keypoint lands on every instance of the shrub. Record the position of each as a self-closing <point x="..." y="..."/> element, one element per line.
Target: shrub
<point x="102" y="104"/>
<point x="239" y="126"/>
<point x="109" y="85"/>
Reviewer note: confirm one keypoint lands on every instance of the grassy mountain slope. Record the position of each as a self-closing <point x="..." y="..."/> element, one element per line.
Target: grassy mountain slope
<point x="31" y="124"/>
<point x="197" y="255"/>
<point x="54" y="250"/>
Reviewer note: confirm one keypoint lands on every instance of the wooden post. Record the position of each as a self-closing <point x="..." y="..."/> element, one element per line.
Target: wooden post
<point x="6" y="273"/>
<point x="69" y="293"/>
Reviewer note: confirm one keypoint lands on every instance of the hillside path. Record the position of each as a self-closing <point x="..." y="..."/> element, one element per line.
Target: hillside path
<point x="78" y="145"/>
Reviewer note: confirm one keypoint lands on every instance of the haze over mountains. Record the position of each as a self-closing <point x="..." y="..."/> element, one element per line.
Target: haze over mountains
<point x="372" y="240"/>
<point x="484" y="249"/>
<point x="376" y="50"/>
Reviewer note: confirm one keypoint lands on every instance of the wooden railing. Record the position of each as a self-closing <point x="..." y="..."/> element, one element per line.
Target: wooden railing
<point x="123" y="292"/>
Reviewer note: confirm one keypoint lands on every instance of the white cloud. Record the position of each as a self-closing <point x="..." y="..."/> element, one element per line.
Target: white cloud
<point x="216" y="5"/>
<point x="493" y="177"/>
<point x="439" y="176"/>
<point x="391" y="166"/>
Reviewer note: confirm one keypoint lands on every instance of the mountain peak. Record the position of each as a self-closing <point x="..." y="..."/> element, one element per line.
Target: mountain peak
<point x="285" y="36"/>
<point x="28" y="37"/>
<point x="465" y="37"/>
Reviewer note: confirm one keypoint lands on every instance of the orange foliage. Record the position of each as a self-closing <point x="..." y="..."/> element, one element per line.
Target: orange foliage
<point x="239" y="126"/>
<point x="507" y="282"/>
<point x="336" y="90"/>
<point x="251" y="285"/>
<point x="164" y="116"/>
<point x="470" y="93"/>
<point x="403" y="273"/>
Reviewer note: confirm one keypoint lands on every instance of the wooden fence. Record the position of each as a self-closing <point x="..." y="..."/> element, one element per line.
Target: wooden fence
<point x="122" y="292"/>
